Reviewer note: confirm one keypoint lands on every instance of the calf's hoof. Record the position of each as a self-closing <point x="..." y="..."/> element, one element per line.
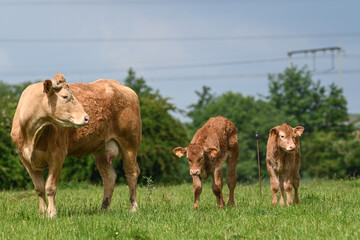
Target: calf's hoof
<point x="231" y="203"/>
<point x="133" y="207"/>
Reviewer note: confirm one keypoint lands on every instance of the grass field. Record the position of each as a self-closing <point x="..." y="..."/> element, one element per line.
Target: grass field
<point x="328" y="210"/>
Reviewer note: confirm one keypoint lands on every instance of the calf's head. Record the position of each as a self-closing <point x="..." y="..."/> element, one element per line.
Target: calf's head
<point x="197" y="156"/>
<point x="286" y="136"/>
<point x="62" y="107"/>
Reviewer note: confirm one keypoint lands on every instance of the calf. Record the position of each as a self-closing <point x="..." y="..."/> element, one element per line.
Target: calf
<point x="211" y="145"/>
<point x="283" y="161"/>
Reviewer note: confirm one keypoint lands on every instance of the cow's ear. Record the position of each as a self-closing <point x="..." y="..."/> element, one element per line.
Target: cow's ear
<point x="299" y="130"/>
<point x="48" y="87"/>
<point x="274" y="131"/>
<point x="212" y="151"/>
<point x="179" y="151"/>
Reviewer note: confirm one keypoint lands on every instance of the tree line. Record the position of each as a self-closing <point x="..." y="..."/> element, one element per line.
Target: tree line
<point x="330" y="145"/>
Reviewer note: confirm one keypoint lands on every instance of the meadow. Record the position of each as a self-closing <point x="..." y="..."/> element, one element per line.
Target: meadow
<point x="328" y="209"/>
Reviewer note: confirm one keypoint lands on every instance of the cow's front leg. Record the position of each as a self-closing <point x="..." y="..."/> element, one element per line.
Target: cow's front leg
<point x="288" y="188"/>
<point x="39" y="185"/>
<point x="52" y="184"/>
<point x="282" y="191"/>
<point x="217" y="187"/>
<point x="274" y="184"/>
<point x="197" y="188"/>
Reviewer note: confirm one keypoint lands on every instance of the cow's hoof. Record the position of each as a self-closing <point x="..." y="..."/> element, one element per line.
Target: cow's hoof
<point x="133" y="207"/>
<point x="51" y="215"/>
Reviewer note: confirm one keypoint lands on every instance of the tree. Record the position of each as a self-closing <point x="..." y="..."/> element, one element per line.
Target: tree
<point x="314" y="106"/>
<point x="161" y="133"/>
<point x="12" y="173"/>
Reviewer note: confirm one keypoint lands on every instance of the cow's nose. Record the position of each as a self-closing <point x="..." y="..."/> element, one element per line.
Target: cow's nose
<point x="292" y="147"/>
<point x="194" y="172"/>
<point x="86" y="118"/>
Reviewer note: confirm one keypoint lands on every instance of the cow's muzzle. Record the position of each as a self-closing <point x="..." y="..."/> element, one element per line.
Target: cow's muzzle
<point x="195" y="172"/>
<point x="85" y="120"/>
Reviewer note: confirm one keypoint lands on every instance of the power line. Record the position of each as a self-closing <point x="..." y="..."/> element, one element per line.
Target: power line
<point x="131" y="2"/>
<point x="176" y="39"/>
<point x="143" y="65"/>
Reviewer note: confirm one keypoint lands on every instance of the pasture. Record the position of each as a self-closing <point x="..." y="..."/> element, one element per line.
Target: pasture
<point x="328" y="210"/>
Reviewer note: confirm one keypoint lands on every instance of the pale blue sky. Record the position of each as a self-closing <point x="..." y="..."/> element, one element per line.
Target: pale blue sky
<point x="240" y="42"/>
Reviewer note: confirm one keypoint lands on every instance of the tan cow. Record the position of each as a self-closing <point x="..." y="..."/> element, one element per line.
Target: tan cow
<point x="44" y="132"/>
<point x="211" y="145"/>
<point x="283" y="162"/>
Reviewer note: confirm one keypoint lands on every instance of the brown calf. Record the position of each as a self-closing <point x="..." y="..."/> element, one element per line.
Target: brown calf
<point x="211" y="145"/>
<point x="283" y="161"/>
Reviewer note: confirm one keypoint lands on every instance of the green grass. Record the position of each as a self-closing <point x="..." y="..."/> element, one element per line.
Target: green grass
<point x="328" y="210"/>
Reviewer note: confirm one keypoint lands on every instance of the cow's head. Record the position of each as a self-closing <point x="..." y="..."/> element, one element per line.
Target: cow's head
<point x="197" y="156"/>
<point x="286" y="136"/>
<point x="63" y="108"/>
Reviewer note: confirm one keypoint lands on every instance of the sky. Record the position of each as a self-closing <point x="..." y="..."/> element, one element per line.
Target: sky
<point x="178" y="46"/>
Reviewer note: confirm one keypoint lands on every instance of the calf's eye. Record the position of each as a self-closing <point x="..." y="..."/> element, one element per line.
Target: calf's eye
<point x="282" y="136"/>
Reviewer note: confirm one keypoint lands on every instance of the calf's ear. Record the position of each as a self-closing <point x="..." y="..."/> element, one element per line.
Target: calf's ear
<point x="299" y="130"/>
<point x="274" y="131"/>
<point x="48" y="87"/>
<point x="179" y="151"/>
<point x="211" y="150"/>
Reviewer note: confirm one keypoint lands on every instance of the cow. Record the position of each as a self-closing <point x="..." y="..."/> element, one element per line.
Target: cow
<point x="283" y="162"/>
<point x="54" y="119"/>
<point x="211" y="145"/>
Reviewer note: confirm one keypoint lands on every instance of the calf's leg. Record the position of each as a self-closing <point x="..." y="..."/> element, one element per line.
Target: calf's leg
<point x="197" y="188"/>
<point x="274" y="184"/>
<point x="231" y="178"/>
<point x="282" y="191"/>
<point x="288" y="188"/>
<point x="296" y="184"/>
<point x="217" y="187"/>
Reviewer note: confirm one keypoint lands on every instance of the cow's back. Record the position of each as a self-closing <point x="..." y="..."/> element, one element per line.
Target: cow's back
<point x="113" y="109"/>
<point x="217" y="131"/>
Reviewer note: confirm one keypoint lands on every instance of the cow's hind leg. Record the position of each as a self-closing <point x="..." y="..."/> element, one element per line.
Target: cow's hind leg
<point x="132" y="172"/>
<point x="39" y="186"/>
<point x="103" y="161"/>
<point x="231" y="178"/>
<point x="296" y="184"/>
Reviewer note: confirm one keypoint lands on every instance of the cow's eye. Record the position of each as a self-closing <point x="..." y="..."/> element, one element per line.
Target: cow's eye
<point x="282" y="136"/>
<point x="65" y="97"/>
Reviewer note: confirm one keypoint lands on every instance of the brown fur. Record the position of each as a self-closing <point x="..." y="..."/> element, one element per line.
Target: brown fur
<point x="42" y="141"/>
<point x="283" y="162"/>
<point x="211" y="145"/>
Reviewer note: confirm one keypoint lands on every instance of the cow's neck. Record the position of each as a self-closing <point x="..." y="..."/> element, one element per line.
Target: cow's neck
<point x="33" y="129"/>
<point x="283" y="157"/>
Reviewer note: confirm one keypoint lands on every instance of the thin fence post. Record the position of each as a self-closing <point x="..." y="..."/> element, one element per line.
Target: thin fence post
<point x="258" y="154"/>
